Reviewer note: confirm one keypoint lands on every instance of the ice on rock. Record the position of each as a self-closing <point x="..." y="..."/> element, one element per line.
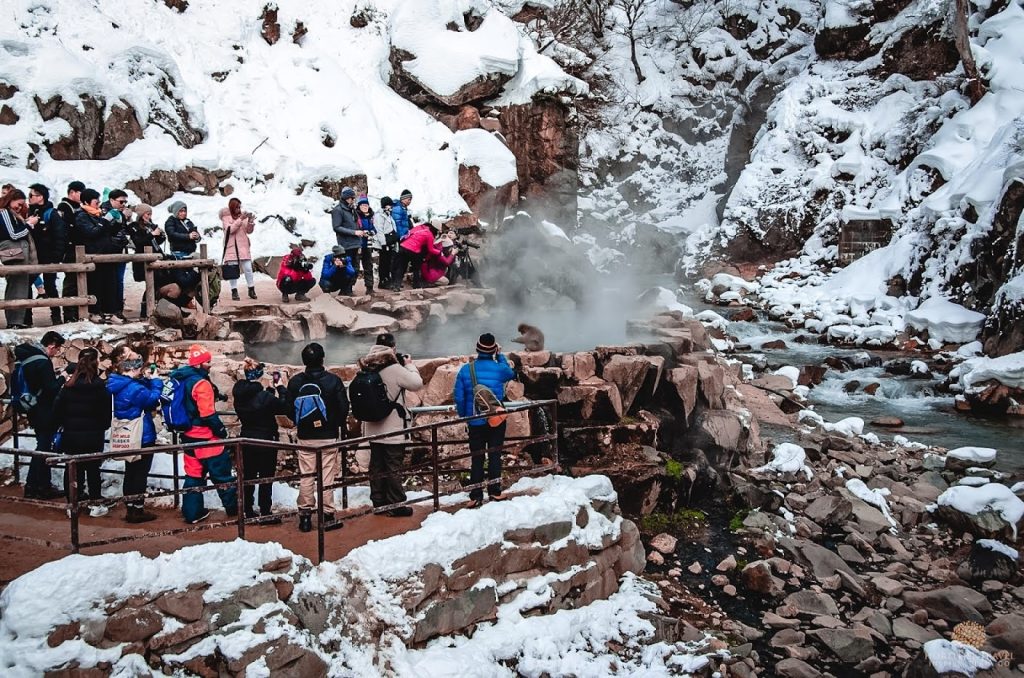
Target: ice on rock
<point x="787" y="458"/>
<point x="945" y="321"/>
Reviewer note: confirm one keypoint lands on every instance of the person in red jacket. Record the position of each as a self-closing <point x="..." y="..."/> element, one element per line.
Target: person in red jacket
<point x="295" y="276"/>
<point x="418" y="245"/>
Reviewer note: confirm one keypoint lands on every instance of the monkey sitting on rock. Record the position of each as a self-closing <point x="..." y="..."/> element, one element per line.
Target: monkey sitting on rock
<point x="530" y="337"/>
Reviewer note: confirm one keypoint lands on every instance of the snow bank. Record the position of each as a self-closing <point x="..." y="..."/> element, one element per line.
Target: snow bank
<point x="945" y="321"/>
<point x="999" y="547"/>
<point x="787" y="458"/>
<point x="950" y="656"/>
<point x="981" y="455"/>
<point x="993" y="497"/>
<point x="482" y="149"/>
<point x="1008" y="370"/>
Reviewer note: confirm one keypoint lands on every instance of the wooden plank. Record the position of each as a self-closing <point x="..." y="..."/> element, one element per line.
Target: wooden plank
<point x="121" y="258"/>
<point x="204" y="275"/>
<point x="33" y="269"/>
<point x="183" y="263"/>
<point x="47" y="303"/>
<point x="150" y="285"/>
<point x="83" y="284"/>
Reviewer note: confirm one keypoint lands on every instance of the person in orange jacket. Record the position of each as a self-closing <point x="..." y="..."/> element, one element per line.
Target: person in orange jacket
<point x="213" y="461"/>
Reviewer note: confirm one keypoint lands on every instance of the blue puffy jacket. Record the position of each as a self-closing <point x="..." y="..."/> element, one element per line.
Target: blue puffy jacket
<point x="491" y="371"/>
<point x="401" y="216"/>
<point x="134" y="397"/>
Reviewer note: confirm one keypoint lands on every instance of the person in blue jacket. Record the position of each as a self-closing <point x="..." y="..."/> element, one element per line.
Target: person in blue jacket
<point x="400" y="213"/>
<point x="492" y="370"/>
<point x="135" y="395"/>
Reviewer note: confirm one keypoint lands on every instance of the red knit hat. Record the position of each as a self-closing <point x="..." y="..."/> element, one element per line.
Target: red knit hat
<point x="197" y="355"/>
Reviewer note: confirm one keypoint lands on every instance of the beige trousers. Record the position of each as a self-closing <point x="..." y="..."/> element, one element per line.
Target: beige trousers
<point x="307" y="486"/>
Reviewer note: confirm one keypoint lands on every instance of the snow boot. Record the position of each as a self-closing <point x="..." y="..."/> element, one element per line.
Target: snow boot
<point x="301" y="297"/>
<point x="138" y="514"/>
<point x="252" y="292"/>
<point x="234" y="295"/>
<point x="305" y="521"/>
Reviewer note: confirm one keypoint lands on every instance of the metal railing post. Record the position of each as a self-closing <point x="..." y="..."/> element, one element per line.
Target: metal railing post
<point x="320" y="505"/>
<point x="71" y="468"/>
<point x="17" y="446"/>
<point x="343" y="460"/>
<point x="239" y="484"/>
<point x="434" y="464"/>
<point x="176" y="479"/>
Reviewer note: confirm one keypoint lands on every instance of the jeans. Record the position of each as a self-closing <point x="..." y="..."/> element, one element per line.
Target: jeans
<point x="39" y="477"/>
<point x="385" y="466"/>
<point x="218" y="468"/>
<point x="490" y="439"/>
<point x="136" y="473"/>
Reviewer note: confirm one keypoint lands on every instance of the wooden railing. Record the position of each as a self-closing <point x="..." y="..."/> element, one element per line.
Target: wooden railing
<point x="86" y="263"/>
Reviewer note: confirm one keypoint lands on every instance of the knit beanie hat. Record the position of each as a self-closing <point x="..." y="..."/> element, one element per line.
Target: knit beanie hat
<point x="197" y="355"/>
<point x="386" y="202"/>
<point x="363" y="200"/>
<point x="348" y="192"/>
<point x="142" y="208"/>
<point x="487" y="344"/>
<point x="405" y="194"/>
<point x="177" y="206"/>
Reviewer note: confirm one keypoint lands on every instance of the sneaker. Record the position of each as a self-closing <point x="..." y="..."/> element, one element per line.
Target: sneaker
<point x="301" y="297"/>
<point x="204" y="516"/>
<point x="98" y="511"/>
<point x="400" y="512"/>
<point x="234" y="296"/>
<point x="305" y="522"/>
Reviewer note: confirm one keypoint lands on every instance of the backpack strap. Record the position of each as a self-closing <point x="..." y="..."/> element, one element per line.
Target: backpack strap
<point x="472" y="371"/>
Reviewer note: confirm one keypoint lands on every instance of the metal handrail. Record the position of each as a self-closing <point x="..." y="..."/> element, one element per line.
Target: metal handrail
<point x="436" y="467"/>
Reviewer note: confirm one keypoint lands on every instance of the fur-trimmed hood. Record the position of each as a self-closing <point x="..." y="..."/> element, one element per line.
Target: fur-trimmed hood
<point x="378" y="358"/>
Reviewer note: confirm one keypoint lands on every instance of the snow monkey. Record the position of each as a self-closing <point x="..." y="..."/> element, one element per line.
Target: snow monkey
<point x="530" y="337"/>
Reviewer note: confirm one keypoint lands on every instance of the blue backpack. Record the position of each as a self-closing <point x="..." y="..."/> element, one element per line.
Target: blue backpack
<point x="23" y="400"/>
<point x="310" y="412"/>
<point x="175" y="399"/>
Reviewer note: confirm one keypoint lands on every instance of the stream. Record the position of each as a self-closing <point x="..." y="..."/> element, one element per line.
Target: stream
<point x="928" y="417"/>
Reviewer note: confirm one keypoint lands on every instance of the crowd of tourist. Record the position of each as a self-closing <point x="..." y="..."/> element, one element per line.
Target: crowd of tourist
<point x="381" y="247"/>
<point x="73" y="413"/>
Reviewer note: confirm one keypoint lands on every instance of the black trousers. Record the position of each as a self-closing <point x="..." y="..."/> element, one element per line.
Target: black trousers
<point x="259" y="462"/>
<point x="136" y="473"/>
<point x="402" y="262"/>
<point x="289" y="286"/>
<point x="386" y="462"/>
<point x="486" y="439"/>
<point x="103" y="284"/>
<point x="88" y="473"/>
<point x="39" y="477"/>
<point x="385" y="265"/>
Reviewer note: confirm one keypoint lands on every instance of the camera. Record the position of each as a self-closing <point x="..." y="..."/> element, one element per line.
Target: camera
<point x="305" y="265"/>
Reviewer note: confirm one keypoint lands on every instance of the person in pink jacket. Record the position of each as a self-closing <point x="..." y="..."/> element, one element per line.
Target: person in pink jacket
<point x="418" y="245"/>
<point x="237" y="227"/>
<point x="435" y="267"/>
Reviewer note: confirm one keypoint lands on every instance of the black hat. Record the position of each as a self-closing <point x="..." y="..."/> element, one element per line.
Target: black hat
<point x="313" y="355"/>
<point x="486" y="344"/>
<point x="386" y="202"/>
<point x="76" y="186"/>
<point x="405" y="194"/>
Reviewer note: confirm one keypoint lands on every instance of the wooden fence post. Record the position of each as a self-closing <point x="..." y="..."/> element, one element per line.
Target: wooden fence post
<point x="204" y="274"/>
<point x="83" y="283"/>
<point x="150" y="286"/>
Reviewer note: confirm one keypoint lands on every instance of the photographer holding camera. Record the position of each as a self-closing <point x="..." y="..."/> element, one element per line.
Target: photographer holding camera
<point x="258" y="405"/>
<point x="295" y="276"/>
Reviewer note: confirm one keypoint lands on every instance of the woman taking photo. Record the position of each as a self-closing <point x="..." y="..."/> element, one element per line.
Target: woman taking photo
<point x="135" y="396"/>
<point x="82" y="414"/>
<point x="16" y="249"/>
<point x="237" y="227"/>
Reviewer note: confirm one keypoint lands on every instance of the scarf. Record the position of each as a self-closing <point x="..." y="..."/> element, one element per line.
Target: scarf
<point x="91" y="211"/>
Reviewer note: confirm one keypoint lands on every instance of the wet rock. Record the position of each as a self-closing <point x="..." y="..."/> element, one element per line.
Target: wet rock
<point x="952" y="603"/>
<point x="888" y="422"/>
<point x="983" y="563"/>
<point x="872" y="388"/>
<point x="775" y="344"/>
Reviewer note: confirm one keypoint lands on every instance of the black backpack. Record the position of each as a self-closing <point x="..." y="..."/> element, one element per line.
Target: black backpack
<point x="368" y="396"/>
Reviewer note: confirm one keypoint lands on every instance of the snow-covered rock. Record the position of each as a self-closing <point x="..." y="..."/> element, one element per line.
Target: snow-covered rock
<point x="945" y="321"/>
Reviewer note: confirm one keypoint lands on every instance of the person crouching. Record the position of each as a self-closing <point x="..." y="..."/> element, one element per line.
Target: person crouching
<point x="295" y="276"/>
<point x="257" y="407"/>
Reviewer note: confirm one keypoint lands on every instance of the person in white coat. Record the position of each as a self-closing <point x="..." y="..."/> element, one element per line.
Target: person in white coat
<point x="386" y="241"/>
<point x="387" y="455"/>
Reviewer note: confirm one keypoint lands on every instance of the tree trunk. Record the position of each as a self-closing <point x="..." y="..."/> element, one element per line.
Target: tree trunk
<point x="632" y="55"/>
<point x="975" y="87"/>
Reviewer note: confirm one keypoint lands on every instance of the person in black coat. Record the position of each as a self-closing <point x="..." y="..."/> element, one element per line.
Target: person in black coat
<point x="82" y="412"/>
<point x="68" y="207"/>
<point x="96" y="234"/>
<point x="182" y="234"/>
<point x="40" y="379"/>
<point x="257" y="408"/>
<point x="51" y="238"/>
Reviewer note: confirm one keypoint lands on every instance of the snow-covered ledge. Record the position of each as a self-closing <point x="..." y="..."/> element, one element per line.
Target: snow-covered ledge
<point x="224" y="607"/>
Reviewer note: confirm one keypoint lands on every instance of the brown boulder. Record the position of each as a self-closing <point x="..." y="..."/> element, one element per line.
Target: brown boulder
<point x="133" y="623"/>
<point x="92" y="136"/>
<point x="593" y="398"/>
<point x="579" y="366"/>
<point x="441" y="387"/>
<point x="629" y="373"/>
<point x="468" y="118"/>
<point x="757" y="577"/>
<point x="685" y="380"/>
